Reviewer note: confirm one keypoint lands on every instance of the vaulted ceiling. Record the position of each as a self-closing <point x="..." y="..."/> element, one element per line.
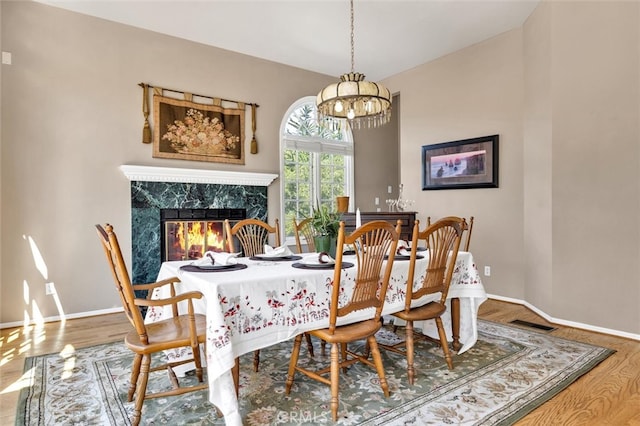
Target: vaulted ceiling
<point x="391" y="36"/>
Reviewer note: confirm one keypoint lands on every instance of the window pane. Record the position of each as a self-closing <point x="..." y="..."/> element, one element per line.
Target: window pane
<point x="310" y="175"/>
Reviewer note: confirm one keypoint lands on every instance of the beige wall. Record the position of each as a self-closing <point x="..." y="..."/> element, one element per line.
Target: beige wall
<point x="377" y="163"/>
<point x="475" y="92"/>
<point x="595" y="170"/>
<point x="72" y="115"/>
<point x="562" y="92"/>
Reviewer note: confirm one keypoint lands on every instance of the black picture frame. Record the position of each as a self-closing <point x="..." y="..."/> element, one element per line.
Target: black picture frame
<point x="463" y="164"/>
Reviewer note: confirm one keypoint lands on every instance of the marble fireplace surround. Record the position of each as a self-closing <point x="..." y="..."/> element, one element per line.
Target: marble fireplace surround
<point x="155" y="188"/>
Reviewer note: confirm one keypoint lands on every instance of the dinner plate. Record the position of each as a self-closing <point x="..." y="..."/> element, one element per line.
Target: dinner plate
<point x="301" y="265"/>
<point x="275" y="258"/>
<point x="404" y="257"/>
<point x="213" y="268"/>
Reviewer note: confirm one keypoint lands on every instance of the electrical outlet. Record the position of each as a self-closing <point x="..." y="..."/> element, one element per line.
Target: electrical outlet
<point x="389" y="189"/>
<point x="487" y="271"/>
<point x="6" y="58"/>
<point x="49" y="288"/>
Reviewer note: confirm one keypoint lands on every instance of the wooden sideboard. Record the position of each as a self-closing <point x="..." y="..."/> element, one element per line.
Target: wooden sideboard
<point x="407" y="218"/>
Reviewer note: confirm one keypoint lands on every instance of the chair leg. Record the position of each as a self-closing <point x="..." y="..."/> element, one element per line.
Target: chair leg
<point x="197" y="361"/>
<point x="307" y="336"/>
<point x="377" y="360"/>
<point x="343" y="355"/>
<point x="292" y="363"/>
<point x="135" y="371"/>
<point x="409" y="342"/>
<point x="142" y="389"/>
<point x="335" y="379"/>
<point x="444" y="343"/>
<point x="256" y="360"/>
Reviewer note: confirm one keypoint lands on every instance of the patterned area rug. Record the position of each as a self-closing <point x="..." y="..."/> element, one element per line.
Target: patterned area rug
<point x="507" y="374"/>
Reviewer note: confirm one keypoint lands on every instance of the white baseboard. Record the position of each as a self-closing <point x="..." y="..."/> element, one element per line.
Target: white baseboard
<point x="61" y="318"/>
<point x="567" y="323"/>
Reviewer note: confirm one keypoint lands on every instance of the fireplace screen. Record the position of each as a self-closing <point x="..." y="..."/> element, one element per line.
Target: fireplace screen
<point x="189" y="233"/>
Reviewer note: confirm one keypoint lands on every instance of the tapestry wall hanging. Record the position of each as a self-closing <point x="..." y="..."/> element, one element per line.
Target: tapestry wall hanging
<point x="194" y="131"/>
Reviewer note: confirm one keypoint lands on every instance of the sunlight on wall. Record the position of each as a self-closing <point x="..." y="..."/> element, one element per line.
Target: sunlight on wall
<point x="56" y="298"/>
<point x="36" y="314"/>
<point x="40" y="264"/>
<point x="37" y="258"/>
<point x="25" y="292"/>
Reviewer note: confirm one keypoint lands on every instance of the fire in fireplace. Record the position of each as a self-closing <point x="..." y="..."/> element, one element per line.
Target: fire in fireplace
<point x="189" y="233"/>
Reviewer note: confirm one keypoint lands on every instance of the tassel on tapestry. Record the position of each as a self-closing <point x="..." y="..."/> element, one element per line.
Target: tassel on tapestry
<point x="146" y="129"/>
<point x="254" y="142"/>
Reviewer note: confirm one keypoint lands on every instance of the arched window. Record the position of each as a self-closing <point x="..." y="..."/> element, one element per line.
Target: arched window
<point x="316" y="162"/>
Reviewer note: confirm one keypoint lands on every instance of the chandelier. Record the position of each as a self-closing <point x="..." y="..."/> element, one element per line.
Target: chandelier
<point x="361" y="102"/>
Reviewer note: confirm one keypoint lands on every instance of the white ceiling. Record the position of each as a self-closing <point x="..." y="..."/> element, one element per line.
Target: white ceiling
<point x="390" y="35"/>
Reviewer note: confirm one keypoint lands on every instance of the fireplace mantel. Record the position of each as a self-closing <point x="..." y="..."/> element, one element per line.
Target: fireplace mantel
<point x="221" y="177"/>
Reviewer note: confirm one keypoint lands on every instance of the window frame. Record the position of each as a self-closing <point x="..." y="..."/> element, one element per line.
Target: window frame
<point x="315" y="145"/>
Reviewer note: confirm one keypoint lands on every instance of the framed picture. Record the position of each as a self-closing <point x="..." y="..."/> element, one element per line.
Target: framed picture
<point x="468" y="163"/>
<point x="193" y="131"/>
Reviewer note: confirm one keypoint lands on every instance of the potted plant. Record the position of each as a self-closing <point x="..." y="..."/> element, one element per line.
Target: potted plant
<point x="325" y="224"/>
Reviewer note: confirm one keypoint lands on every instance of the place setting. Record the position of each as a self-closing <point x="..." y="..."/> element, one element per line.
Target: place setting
<point x="276" y="254"/>
<point x="213" y="261"/>
<point x="319" y="261"/>
<point x="403" y="252"/>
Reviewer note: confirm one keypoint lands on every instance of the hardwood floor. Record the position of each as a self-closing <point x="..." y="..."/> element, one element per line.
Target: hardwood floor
<point x="607" y="395"/>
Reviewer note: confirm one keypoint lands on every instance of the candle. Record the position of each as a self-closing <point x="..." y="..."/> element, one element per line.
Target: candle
<point x="358" y="220"/>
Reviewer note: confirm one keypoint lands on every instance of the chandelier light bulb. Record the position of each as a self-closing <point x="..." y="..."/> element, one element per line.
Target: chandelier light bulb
<point x="369" y="106"/>
<point x="351" y="114"/>
<point x="338" y="106"/>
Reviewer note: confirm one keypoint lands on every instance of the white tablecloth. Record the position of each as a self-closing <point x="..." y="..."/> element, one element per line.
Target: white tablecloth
<point x="270" y="302"/>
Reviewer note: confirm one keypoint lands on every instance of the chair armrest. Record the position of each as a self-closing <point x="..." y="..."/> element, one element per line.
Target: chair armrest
<point x="169" y="301"/>
<point x="150" y="286"/>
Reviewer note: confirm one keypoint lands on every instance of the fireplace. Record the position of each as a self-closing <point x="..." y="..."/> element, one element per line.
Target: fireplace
<point x="189" y="233"/>
<point x="156" y="188"/>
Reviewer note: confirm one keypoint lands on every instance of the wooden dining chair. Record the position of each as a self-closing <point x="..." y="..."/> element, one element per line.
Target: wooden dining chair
<point x="468" y="232"/>
<point x="252" y="234"/>
<point x="180" y="331"/>
<point x="443" y="239"/>
<point x="304" y="229"/>
<point x="373" y="241"/>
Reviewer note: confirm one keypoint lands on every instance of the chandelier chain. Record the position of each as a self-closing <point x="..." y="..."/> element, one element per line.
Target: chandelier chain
<point x="362" y="103"/>
<point x="352" y="42"/>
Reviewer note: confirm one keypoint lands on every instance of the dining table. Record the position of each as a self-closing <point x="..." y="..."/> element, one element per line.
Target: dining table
<point x="260" y="301"/>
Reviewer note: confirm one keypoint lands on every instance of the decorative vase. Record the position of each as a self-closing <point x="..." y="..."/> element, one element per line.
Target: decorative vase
<point x="326" y="243"/>
<point x="343" y="204"/>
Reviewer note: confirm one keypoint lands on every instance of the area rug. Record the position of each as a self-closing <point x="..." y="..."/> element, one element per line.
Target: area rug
<point x="507" y="374"/>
